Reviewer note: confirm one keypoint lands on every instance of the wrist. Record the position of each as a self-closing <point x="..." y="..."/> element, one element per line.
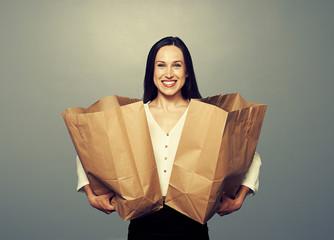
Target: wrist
<point x="89" y="192"/>
<point x="242" y="193"/>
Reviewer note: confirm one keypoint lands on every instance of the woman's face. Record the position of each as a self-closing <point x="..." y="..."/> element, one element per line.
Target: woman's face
<point x="169" y="70"/>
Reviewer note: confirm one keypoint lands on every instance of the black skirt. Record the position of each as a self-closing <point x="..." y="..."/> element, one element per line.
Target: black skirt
<point x="167" y="223"/>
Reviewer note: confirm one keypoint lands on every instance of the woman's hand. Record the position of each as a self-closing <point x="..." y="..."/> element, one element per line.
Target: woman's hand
<point x="101" y="202"/>
<point x="230" y="205"/>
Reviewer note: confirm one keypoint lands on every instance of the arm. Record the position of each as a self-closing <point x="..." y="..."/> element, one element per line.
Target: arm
<point x="82" y="177"/>
<point x="250" y="184"/>
<point x="101" y="202"/>
<point x="251" y="179"/>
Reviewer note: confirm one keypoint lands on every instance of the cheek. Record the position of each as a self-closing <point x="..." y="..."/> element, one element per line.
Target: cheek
<point x="156" y="78"/>
<point x="182" y="74"/>
<point x="185" y="75"/>
<point x="157" y="74"/>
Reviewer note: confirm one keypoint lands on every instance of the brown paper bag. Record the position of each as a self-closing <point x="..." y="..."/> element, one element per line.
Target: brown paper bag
<point x="112" y="140"/>
<point x="215" y="151"/>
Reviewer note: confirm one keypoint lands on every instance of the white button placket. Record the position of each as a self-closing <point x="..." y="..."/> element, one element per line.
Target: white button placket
<point x="165" y="156"/>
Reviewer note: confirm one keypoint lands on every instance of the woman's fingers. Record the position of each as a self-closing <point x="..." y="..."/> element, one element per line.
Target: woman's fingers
<point x="103" y="202"/>
<point x="108" y="206"/>
<point x="111" y="194"/>
<point x="106" y="201"/>
<point x="229" y="205"/>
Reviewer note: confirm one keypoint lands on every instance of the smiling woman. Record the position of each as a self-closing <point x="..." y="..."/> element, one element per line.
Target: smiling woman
<point x="169" y="72"/>
<point x="169" y="86"/>
<point x="169" y="57"/>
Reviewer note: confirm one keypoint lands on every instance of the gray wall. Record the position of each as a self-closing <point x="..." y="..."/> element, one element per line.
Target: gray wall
<point x="59" y="54"/>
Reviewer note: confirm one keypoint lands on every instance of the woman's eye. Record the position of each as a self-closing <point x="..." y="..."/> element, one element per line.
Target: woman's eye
<point x="160" y="65"/>
<point x="177" y="65"/>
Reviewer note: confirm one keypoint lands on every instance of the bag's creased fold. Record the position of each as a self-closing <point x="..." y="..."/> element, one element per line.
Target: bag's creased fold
<point x="113" y="142"/>
<point x="216" y="148"/>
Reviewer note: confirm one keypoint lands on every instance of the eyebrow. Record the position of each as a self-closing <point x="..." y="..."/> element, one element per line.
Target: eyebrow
<point x="173" y="61"/>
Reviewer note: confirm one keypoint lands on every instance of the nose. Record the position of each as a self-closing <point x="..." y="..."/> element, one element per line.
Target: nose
<point x="169" y="73"/>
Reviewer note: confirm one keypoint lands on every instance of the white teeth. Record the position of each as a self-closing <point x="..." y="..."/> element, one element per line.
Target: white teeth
<point x="168" y="82"/>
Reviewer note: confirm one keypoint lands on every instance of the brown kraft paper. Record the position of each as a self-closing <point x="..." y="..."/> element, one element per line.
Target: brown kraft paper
<point x="216" y="148"/>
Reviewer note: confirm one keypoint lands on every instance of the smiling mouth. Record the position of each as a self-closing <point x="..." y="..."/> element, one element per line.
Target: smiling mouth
<point x="169" y="83"/>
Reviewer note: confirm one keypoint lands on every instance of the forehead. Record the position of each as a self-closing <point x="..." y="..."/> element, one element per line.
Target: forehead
<point x="169" y="53"/>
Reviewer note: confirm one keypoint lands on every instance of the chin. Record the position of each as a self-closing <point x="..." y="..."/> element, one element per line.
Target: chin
<point x="170" y="93"/>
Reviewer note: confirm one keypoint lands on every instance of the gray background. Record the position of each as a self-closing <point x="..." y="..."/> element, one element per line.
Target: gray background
<point x="59" y="54"/>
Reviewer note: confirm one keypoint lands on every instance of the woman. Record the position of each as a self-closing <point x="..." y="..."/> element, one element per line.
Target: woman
<point x="169" y="85"/>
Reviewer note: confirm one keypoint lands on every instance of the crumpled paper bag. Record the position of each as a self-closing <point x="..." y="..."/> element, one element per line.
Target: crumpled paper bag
<point x="216" y="148"/>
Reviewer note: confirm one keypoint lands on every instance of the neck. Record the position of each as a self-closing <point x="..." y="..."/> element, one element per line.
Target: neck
<point x="167" y="102"/>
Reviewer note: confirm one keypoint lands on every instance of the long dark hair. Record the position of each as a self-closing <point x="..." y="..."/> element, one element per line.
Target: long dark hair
<point x="189" y="90"/>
